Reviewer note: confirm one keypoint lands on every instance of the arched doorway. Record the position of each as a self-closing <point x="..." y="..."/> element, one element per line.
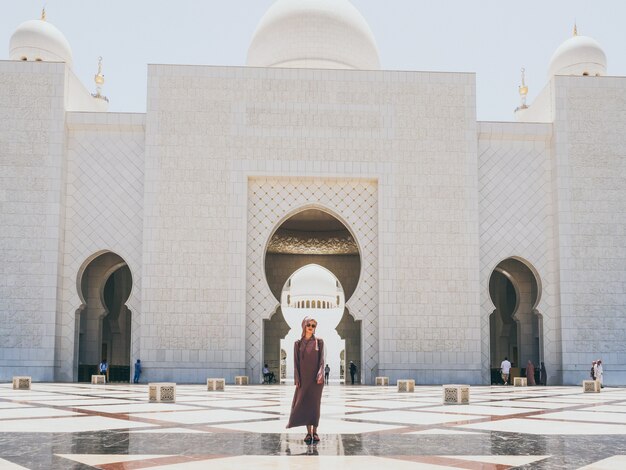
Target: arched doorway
<point x="311" y="237"/>
<point x="515" y="325"/>
<point x="103" y="320"/>
<point x="313" y="291"/>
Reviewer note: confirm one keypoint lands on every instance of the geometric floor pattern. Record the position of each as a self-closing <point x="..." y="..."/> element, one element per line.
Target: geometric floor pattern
<point x="114" y="427"/>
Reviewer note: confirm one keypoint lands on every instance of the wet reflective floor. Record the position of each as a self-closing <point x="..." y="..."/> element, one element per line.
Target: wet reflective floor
<point x="114" y="427"/>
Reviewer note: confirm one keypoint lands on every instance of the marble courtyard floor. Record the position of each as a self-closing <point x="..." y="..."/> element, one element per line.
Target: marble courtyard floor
<point x="114" y="427"/>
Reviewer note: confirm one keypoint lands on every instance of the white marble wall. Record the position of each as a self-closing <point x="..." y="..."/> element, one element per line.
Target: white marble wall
<point x="590" y="177"/>
<point x="193" y="292"/>
<point x="429" y="299"/>
<point x="32" y="173"/>
<point x="210" y="128"/>
<point x="189" y="194"/>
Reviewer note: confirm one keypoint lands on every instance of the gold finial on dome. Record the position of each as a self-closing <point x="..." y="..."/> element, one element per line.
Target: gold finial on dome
<point x="523" y="91"/>
<point x="99" y="79"/>
<point x="575" y="29"/>
<point x="43" y="14"/>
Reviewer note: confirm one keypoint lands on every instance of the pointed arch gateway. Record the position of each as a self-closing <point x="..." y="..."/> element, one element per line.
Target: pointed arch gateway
<point x="515" y="325"/>
<point x="274" y="199"/>
<point x="103" y="321"/>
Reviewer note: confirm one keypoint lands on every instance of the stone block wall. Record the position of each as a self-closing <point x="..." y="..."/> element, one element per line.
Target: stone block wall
<point x="32" y="177"/>
<point x="589" y="172"/>
<point x="429" y="299"/>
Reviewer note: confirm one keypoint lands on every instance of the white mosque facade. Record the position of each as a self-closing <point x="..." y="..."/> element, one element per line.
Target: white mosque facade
<point x="174" y="235"/>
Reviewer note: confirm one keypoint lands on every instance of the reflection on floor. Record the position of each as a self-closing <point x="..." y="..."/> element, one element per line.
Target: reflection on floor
<point x="113" y="427"/>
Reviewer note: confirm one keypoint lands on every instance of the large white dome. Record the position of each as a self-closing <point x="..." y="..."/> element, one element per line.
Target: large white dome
<point x="39" y="40"/>
<point x="329" y="34"/>
<point x="579" y="55"/>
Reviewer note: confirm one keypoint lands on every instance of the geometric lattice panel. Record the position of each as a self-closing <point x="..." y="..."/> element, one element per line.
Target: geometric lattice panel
<point x="272" y="200"/>
<point x="406" y="385"/>
<point x="456" y="394"/>
<point x="591" y="386"/>
<point x="516" y="220"/>
<point x="162" y="392"/>
<point x="382" y="381"/>
<point x="104" y="212"/>
<point x="21" y="383"/>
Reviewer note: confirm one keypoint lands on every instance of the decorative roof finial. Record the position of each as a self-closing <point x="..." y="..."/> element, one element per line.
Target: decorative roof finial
<point x="43" y="14"/>
<point x="523" y="91"/>
<point x="575" y="29"/>
<point x="99" y="79"/>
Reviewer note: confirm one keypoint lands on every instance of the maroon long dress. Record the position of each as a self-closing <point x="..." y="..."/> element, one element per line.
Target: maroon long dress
<point x="309" y="368"/>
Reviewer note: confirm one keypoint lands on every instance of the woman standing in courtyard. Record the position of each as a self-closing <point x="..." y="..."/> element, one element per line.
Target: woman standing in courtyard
<point x="309" y="379"/>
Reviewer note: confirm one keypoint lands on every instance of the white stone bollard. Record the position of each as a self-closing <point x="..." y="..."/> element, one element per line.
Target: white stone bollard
<point x="98" y="379"/>
<point x="241" y="380"/>
<point x="591" y="386"/>
<point x="456" y="394"/>
<point x="164" y="392"/>
<point x="382" y="381"/>
<point x="21" y="383"/>
<point x="215" y="384"/>
<point x="406" y="385"/>
<point x="520" y="382"/>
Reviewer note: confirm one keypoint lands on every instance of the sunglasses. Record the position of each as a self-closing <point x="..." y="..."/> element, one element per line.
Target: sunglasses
<point x="311" y="325"/>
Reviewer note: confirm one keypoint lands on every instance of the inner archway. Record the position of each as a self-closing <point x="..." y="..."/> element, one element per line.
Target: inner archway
<point x="103" y="320"/>
<point x="515" y="324"/>
<point x="311" y="237"/>
<point x="313" y="291"/>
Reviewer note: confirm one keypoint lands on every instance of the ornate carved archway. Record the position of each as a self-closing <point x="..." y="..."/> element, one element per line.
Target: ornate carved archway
<point x="271" y="200"/>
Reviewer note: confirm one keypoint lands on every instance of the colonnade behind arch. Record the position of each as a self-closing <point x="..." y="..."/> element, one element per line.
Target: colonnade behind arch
<point x="104" y="321"/>
<point x="515" y="325"/>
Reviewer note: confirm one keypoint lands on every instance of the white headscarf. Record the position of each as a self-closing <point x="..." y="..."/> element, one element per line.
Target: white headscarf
<point x="306" y="320"/>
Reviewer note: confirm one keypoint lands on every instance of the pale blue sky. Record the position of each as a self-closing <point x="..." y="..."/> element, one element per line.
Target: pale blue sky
<point x="493" y="38"/>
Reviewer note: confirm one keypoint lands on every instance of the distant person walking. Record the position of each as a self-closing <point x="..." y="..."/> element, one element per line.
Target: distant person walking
<point x="352" y="371"/>
<point x="104" y="368"/>
<point x="530" y="373"/>
<point x="543" y="375"/>
<point x="599" y="373"/>
<point x="505" y="370"/>
<point x="137" y="371"/>
<point x="592" y="373"/>
<point x="326" y="373"/>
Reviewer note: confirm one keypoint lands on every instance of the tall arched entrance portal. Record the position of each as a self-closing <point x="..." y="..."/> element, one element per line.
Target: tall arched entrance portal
<point x="311" y="254"/>
<point x="516" y="329"/>
<point x="104" y="321"/>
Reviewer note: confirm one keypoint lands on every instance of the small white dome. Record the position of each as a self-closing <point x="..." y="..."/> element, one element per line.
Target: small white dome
<point x="39" y="40"/>
<point x="579" y="55"/>
<point x="327" y="34"/>
<point x="313" y="282"/>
